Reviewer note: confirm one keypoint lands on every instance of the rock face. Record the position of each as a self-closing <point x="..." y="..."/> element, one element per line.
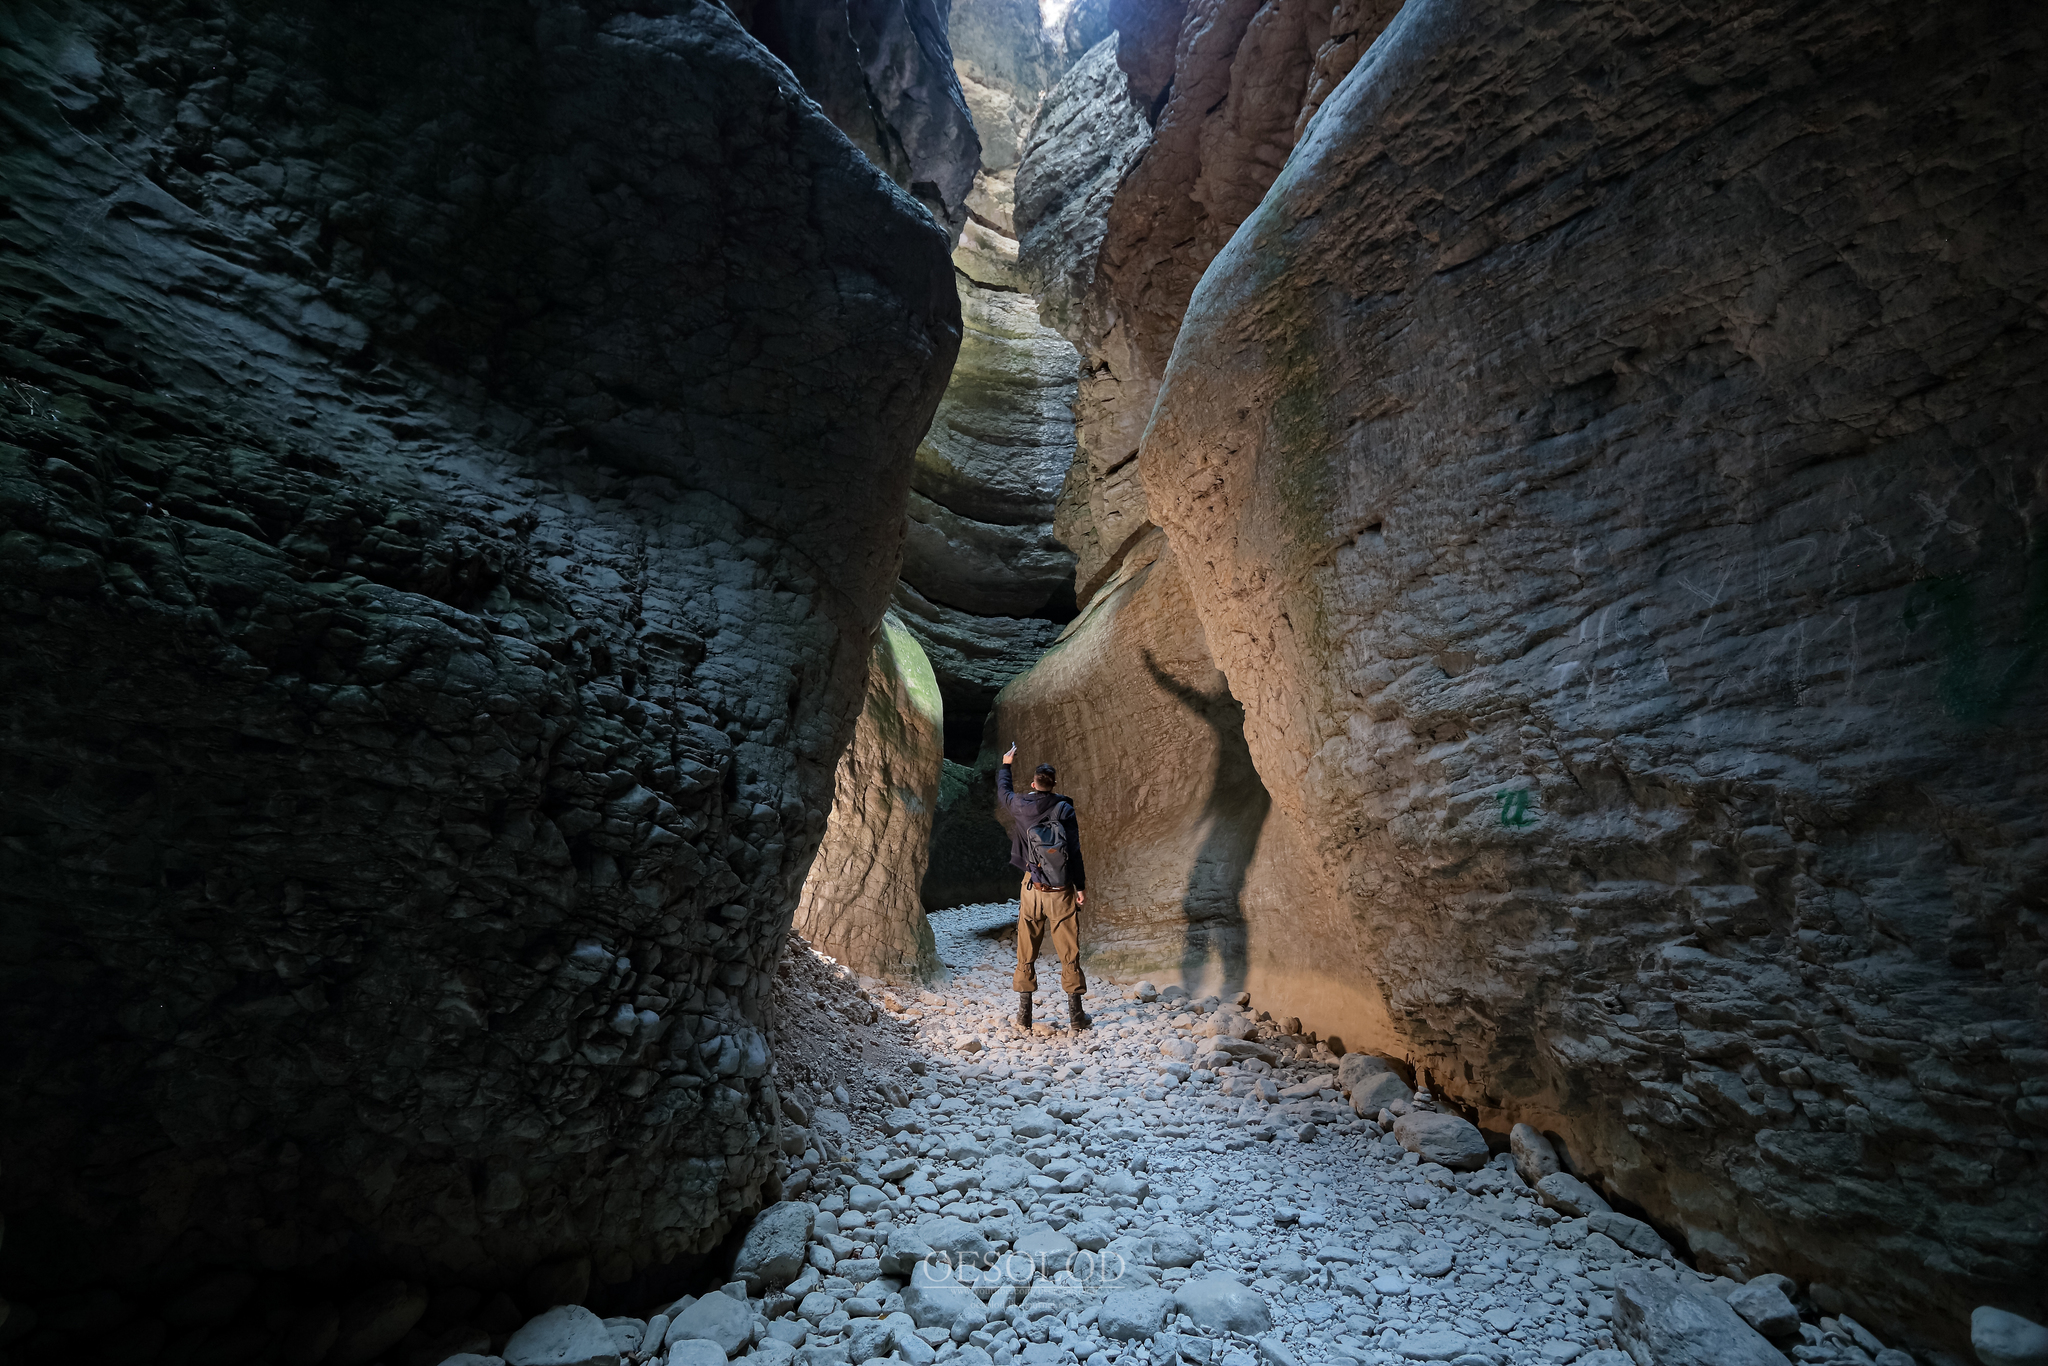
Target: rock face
<point x="985" y="582"/>
<point x="970" y="854"/>
<point x="990" y="469"/>
<point x="882" y="70"/>
<point x="1005" y="60"/>
<point x="860" y="903"/>
<point x="444" y="502"/>
<point x="1653" y="681"/>
<point x="1131" y="709"/>
<point x="1137" y="173"/>
<point x="1088" y="135"/>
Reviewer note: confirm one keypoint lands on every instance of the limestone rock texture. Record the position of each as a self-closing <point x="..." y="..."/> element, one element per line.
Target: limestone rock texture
<point x="882" y="70"/>
<point x="1616" y="507"/>
<point x="860" y="903"/>
<point x="1136" y="175"/>
<point x="1006" y="60"/>
<point x="986" y="584"/>
<point x="451" y="464"/>
<point x="1130" y="707"/>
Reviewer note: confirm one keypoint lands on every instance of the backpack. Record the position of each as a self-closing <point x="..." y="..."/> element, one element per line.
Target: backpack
<point x="1045" y="847"/>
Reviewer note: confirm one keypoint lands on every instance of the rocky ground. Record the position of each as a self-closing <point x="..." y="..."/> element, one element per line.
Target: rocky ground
<point x="1184" y="1182"/>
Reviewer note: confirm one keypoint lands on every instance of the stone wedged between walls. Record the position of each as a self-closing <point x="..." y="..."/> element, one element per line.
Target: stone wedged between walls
<point x="860" y="903"/>
<point x="451" y="470"/>
<point x="1624" y="534"/>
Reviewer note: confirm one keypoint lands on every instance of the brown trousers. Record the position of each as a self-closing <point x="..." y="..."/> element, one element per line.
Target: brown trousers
<point x="1042" y="912"/>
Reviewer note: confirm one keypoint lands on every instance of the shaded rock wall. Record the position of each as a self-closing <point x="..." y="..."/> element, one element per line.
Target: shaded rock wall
<point x="970" y="857"/>
<point x="450" y="464"/>
<point x="1622" y="529"/>
<point x="985" y="583"/>
<point x="860" y="903"/>
<point x="882" y="70"/>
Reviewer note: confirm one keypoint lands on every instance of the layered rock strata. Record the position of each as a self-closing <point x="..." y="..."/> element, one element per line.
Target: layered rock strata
<point x="1620" y="529"/>
<point x="860" y="903"/>
<point x="1005" y="60"/>
<point x="1137" y="173"/>
<point x="444" y="503"/>
<point x="987" y="585"/>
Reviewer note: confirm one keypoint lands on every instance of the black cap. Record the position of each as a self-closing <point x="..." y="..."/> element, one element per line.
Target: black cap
<point x="1045" y="771"/>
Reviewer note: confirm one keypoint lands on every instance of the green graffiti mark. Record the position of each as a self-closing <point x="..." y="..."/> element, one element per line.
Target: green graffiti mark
<point x="1974" y="687"/>
<point x="1514" y="807"/>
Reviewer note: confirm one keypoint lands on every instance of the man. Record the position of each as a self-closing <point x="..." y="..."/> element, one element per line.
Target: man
<point x="1045" y="845"/>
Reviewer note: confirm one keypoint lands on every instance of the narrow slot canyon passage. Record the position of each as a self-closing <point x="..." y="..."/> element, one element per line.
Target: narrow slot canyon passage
<point x="531" y="529"/>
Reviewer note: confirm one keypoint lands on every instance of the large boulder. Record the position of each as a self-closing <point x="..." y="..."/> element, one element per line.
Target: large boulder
<point x="567" y="1335"/>
<point x="1354" y="1068"/>
<point x="860" y="904"/>
<point x="1222" y="1305"/>
<point x="772" y="1253"/>
<point x="1550" y="666"/>
<point x="1133" y="1315"/>
<point x="1444" y="1139"/>
<point x="1535" y="1157"/>
<point x="717" y="1317"/>
<point x="2002" y="1338"/>
<point x="1659" y="1323"/>
<point x="934" y="1299"/>
<point x="1568" y="1195"/>
<point x="451" y="469"/>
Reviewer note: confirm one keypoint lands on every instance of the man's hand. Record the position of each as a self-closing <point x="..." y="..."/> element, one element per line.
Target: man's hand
<point x="1011" y="756"/>
<point x="1080" y="897"/>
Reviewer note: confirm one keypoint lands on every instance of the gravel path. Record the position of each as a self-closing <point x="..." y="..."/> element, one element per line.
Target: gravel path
<point x="1359" y="1250"/>
<point x="1128" y="1195"/>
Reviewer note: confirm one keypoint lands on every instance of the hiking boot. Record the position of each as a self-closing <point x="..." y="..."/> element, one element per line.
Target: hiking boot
<point x="1024" y="1011"/>
<point x="1074" y="1015"/>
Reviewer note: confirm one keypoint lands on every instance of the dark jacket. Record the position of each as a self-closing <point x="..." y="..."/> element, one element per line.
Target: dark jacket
<point x="1023" y="810"/>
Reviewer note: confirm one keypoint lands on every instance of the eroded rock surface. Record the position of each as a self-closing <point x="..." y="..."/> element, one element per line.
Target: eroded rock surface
<point x="1657" y="684"/>
<point x="444" y="501"/>
<point x="1131" y="709"/>
<point x="882" y="70"/>
<point x="860" y="903"/>
<point x="986" y="583"/>
<point x="1137" y="173"/>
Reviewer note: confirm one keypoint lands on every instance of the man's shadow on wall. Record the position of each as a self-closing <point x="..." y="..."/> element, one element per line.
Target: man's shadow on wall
<point x="1232" y="820"/>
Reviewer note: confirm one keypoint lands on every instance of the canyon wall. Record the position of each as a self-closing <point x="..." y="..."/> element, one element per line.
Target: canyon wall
<point x="1144" y="162"/>
<point x="882" y="71"/>
<point x="452" y="461"/>
<point x="1617" y="505"/>
<point x="1173" y="816"/>
<point x="860" y="902"/>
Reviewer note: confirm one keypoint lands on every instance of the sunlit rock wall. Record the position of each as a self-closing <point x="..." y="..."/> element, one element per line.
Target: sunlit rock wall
<point x="1618" y="508"/>
<point x="860" y="903"/>
<point x="1144" y="161"/>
